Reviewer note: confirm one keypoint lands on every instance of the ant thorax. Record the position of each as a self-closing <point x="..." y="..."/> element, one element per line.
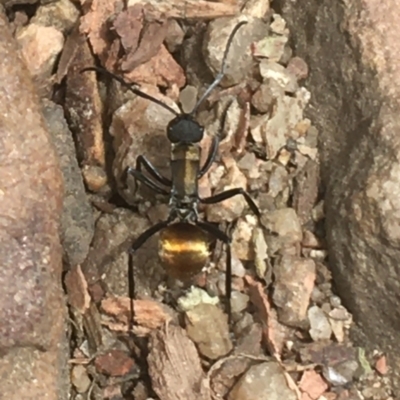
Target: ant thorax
<point x="185" y="167"/>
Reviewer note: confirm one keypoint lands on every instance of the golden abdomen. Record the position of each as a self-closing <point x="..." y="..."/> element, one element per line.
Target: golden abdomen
<point x="184" y="250"/>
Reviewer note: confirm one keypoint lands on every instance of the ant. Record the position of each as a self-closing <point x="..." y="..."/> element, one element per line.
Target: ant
<point x="184" y="243"/>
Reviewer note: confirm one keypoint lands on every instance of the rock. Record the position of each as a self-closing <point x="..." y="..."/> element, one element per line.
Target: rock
<point x="335" y="301"/>
<point x="239" y="60"/>
<point x="310" y="240"/>
<point x="241" y="238"/>
<point x="61" y="15"/>
<point x="239" y="301"/>
<point x="285" y="229"/>
<point x="273" y="70"/>
<point x="249" y="343"/>
<point x="33" y="344"/>
<point x="305" y="191"/>
<point x="298" y="67"/>
<point x="229" y="209"/>
<point x="271" y="47"/>
<point x="256" y="8"/>
<point x="278" y="25"/>
<point x="175" y="35"/>
<point x="114" y="363"/>
<point x="238" y="268"/>
<point x="340" y="319"/>
<point x="359" y="155"/>
<point x="274" y="131"/>
<point x="230" y="112"/>
<point x="208" y="327"/>
<point x="342" y="373"/>
<point x="77" y="223"/>
<point x="247" y="164"/>
<point x="265" y="96"/>
<point x="40" y="46"/>
<point x="108" y="258"/>
<point x="320" y="327"/>
<point x="278" y="180"/>
<point x="194" y="297"/>
<point x="80" y="378"/>
<point x="169" y="72"/>
<point x="95" y="177"/>
<point x="295" y="278"/>
<point x="261" y="261"/>
<point x="312" y="385"/>
<point x="265" y="381"/>
<point x="138" y="128"/>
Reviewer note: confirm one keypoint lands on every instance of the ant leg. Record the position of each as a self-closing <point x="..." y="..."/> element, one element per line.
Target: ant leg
<point x="137" y="244"/>
<point x="224" y="238"/>
<point x="145" y="180"/>
<point x="230" y="193"/>
<point x="142" y="161"/>
<point x="210" y="158"/>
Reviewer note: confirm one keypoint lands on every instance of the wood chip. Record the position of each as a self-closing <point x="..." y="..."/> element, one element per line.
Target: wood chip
<point x="174" y="366"/>
<point x="191" y="8"/>
<point x="149" y="315"/>
<point x="273" y="332"/>
<point x="77" y="289"/>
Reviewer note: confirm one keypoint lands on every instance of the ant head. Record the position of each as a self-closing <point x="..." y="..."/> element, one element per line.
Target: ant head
<point x="184" y="129"/>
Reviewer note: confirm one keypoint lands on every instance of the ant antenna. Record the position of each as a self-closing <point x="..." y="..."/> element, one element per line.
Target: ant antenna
<point x="221" y="73"/>
<point x="130" y="87"/>
<point x="138" y="92"/>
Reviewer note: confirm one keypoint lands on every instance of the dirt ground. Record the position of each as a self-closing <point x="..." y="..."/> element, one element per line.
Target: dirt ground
<point x="287" y="336"/>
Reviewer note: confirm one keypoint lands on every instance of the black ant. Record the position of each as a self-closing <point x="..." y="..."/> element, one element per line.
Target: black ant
<point x="184" y="244"/>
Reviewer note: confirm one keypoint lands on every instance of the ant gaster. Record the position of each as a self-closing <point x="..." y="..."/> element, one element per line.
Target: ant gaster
<point x="184" y="243"/>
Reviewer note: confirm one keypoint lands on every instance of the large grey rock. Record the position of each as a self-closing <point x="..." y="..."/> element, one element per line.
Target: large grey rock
<point x="33" y="341"/>
<point x="352" y="50"/>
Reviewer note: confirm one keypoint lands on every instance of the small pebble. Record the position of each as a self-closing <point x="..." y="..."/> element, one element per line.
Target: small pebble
<point x="316" y="295"/>
<point x="208" y="327"/>
<point x="265" y="381"/>
<point x="335" y="301"/>
<point x="238" y="268"/>
<point x="80" y="378"/>
<point x="239" y="301"/>
<point x="114" y="363"/>
<point x="194" y="297"/>
<point x="320" y="327"/>
<point x="278" y="25"/>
